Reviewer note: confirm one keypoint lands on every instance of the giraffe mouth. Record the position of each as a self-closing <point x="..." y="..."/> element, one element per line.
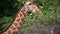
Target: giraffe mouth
<point x="29" y="12"/>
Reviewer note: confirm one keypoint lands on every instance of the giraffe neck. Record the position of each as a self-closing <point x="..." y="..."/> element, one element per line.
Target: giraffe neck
<point x="16" y="24"/>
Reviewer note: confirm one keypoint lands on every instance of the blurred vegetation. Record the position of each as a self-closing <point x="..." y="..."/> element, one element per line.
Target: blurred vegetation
<point x="49" y="14"/>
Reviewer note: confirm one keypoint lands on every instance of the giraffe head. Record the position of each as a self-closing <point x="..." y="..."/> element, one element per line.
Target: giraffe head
<point x="31" y="7"/>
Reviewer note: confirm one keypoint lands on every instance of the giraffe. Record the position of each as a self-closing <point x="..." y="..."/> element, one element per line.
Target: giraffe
<point x="16" y="24"/>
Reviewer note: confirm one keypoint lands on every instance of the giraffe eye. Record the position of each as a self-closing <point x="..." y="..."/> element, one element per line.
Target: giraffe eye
<point x="29" y="4"/>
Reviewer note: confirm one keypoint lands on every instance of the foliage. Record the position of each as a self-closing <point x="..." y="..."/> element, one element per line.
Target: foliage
<point x="49" y="14"/>
<point x="4" y="22"/>
<point x="9" y="7"/>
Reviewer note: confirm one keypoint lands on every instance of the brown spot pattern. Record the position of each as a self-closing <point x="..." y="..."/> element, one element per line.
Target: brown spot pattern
<point x="20" y="23"/>
<point x="17" y="16"/>
<point x="24" y="13"/>
<point x="18" y="27"/>
<point x="11" y="27"/>
<point x="18" y="20"/>
<point x="22" y="18"/>
<point x="4" y="33"/>
<point x="14" y="28"/>
<point x="20" y="15"/>
<point x="9" y="31"/>
<point x="15" y="24"/>
<point x="15" y="32"/>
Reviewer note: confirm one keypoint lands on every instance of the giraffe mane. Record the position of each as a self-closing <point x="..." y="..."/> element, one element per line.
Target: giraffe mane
<point x="11" y="22"/>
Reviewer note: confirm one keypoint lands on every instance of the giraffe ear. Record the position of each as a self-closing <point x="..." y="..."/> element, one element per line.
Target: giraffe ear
<point x="24" y="2"/>
<point x="34" y="1"/>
